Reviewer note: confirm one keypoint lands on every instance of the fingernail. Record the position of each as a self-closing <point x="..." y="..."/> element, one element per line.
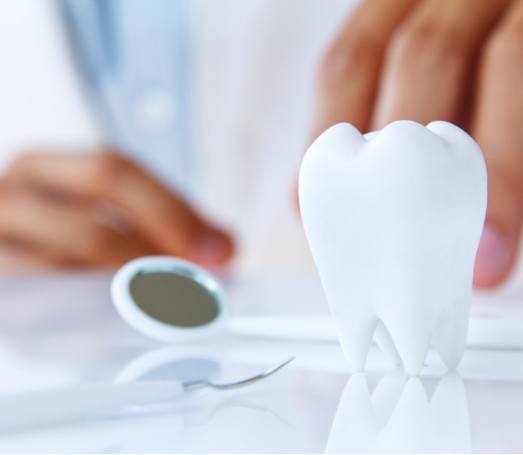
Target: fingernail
<point x="212" y="248"/>
<point x="494" y="257"/>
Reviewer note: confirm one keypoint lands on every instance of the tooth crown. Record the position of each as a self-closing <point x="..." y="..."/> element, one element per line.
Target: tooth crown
<point x="393" y="220"/>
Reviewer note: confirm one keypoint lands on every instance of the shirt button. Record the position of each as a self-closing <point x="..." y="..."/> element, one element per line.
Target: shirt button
<point x="154" y="111"/>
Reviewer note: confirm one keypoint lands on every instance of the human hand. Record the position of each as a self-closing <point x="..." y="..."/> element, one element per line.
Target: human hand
<point x="454" y="60"/>
<point x="96" y="209"/>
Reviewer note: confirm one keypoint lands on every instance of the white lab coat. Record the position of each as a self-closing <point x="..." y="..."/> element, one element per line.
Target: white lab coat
<point x="255" y="64"/>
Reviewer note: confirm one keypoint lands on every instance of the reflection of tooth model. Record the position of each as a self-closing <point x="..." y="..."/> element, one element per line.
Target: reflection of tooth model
<point x="393" y="221"/>
<point x="399" y="417"/>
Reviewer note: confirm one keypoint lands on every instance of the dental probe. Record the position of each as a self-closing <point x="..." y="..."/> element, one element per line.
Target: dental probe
<point x="73" y="404"/>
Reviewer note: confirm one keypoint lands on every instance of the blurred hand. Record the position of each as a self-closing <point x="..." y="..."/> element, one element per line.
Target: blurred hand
<point x="77" y="210"/>
<point x="454" y="60"/>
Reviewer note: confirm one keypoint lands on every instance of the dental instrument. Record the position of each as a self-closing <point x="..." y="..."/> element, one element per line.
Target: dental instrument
<point x="73" y="404"/>
<point x="169" y="299"/>
<point x="492" y="325"/>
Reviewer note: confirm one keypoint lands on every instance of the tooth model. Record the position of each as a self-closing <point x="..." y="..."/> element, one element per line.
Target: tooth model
<point x="393" y="220"/>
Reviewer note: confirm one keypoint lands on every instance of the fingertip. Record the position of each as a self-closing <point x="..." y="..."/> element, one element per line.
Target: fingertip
<point x="495" y="258"/>
<point x="213" y="248"/>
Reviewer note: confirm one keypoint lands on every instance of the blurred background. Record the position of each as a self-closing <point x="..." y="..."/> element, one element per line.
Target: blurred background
<point x="130" y="128"/>
<point x="248" y="69"/>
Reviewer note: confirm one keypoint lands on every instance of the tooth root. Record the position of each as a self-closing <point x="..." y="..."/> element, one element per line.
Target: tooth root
<point x="356" y="336"/>
<point x="385" y="343"/>
<point x="451" y="335"/>
<point x="411" y="335"/>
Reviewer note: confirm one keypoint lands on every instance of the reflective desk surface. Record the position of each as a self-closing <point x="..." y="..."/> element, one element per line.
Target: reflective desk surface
<point x="60" y="333"/>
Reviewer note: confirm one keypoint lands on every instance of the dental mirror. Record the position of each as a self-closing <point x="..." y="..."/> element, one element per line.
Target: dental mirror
<point x="169" y="299"/>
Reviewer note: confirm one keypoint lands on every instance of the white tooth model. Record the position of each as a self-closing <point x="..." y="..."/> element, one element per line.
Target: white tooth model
<point x="393" y="220"/>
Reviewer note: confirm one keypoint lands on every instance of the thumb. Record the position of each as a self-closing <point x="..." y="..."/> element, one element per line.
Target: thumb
<point x="211" y="247"/>
<point x="499" y="243"/>
<point x="497" y="128"/>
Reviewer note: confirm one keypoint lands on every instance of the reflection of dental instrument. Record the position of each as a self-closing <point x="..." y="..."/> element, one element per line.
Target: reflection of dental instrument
<point x="44" y="408"/>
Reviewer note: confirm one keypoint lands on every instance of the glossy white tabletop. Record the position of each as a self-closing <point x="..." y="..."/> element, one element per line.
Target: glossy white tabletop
<point x="59" y="335"/>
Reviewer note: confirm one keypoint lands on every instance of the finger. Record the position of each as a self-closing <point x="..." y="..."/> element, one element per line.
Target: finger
<point x="161" y="217"/>
<point x="15" y="259"/>
<point x="349" y="72"/>
<point x="429" y="58"/>
<point x="64" y="233"/>
<point x="497" y="127"/>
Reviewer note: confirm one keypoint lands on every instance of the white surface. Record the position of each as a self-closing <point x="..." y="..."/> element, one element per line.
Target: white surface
<point x="393" y="220"/>
<point x="62" y="331"/>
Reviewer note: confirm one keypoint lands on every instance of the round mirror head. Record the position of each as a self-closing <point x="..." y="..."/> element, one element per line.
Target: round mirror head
<point x="168" y="299"/>
<point x="174" y="298"/>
